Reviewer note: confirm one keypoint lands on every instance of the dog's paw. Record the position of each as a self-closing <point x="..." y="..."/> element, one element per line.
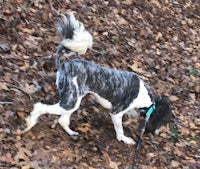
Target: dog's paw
<point x="72" y="133"/>
<point x="157" y="132"/>
<point x="29" y="124"/>
<point x="126" y="140"/>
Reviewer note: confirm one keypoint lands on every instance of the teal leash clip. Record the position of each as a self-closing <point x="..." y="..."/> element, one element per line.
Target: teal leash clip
<point x="150" y="110"/>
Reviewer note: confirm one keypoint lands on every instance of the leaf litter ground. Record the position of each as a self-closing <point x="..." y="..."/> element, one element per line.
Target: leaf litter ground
<point x="157" y="39"/>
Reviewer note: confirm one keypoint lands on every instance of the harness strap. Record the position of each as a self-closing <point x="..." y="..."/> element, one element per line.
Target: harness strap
<point x="150" y="110"/>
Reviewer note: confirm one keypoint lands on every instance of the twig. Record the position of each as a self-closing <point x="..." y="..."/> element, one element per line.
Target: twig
<point x="100" y="53"/>
<point x="196" y="16"/>
<point x="1" y="102"/>
<point x="96" y="51"/>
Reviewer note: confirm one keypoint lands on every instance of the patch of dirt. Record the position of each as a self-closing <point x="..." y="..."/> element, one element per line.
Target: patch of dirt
<point x="159" y="40"/>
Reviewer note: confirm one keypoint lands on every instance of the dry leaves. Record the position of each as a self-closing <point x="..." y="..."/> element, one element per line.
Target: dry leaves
<point x="84" y="127"/>
<point x="136" y="67"/>
<point x="111" y="164"/>
<point x="173" y="98"/>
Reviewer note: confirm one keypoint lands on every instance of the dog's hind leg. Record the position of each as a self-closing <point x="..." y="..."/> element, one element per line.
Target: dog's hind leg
<point x="117" y="121"/>
<point x="40" y="109"/>
<point x="64" y="120"/>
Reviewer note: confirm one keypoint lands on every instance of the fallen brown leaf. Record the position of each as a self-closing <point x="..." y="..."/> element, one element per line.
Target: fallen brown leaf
<point x="136" y="67"/>
<point x="84" y="127"/>
<point x="175" y="163"/>
<point x="111" y="164"/>
<point x="173" y="98"/>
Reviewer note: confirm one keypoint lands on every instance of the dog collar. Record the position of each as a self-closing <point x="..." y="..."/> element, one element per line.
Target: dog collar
<point x="150" y="110"/>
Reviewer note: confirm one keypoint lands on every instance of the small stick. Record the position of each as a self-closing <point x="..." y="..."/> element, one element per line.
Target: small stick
<point x="96" y="51"/>
<point x="6" y="102"/>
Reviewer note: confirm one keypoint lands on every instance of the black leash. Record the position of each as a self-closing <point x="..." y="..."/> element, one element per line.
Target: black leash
<point x="139" y="141"/>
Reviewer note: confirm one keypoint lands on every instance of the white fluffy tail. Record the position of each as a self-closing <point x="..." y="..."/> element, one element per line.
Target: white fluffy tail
<point x="74" y="36"/>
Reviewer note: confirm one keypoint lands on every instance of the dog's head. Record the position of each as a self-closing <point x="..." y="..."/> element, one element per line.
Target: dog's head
<point x="161" y="115"/>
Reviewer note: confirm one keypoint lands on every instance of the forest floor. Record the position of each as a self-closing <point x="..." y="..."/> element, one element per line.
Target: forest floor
<point x="159" y="40"/>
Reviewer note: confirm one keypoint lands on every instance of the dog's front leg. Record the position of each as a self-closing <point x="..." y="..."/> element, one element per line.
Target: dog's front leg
<point x="117" y="121"/>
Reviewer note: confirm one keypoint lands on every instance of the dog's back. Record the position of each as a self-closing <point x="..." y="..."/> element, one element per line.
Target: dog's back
<point x="117" y="86"/>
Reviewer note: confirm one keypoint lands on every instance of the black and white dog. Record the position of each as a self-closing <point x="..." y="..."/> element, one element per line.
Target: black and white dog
<point x="117" y="90"/>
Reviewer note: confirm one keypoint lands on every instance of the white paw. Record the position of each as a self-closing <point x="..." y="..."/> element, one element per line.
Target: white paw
<point x="126" y="140"/>
<point x="157" y="132"/>
<point x="30" y="122"/>
<point x="72" y="133"/>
